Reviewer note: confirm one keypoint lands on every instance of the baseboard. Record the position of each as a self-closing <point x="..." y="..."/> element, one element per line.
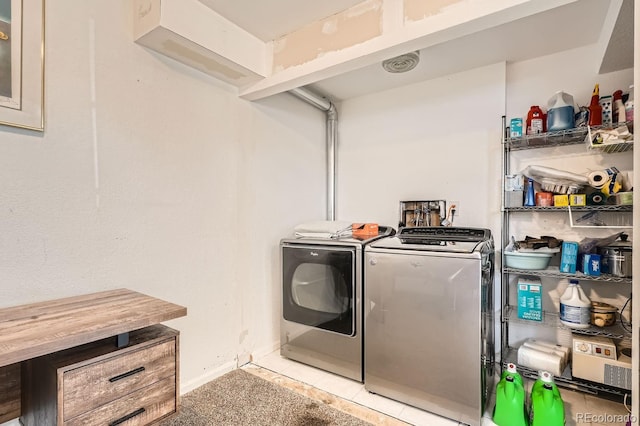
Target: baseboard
<point x="220" y="371"/>
<point x="206" y="378"/>
<point x="265" y="350"/>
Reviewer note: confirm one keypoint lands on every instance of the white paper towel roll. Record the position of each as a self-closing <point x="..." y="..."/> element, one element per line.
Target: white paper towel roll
<point x="598" y="179"/>
<point x="564" y="349"/>
<point x="558" y="350"/>
<point x="539" y="360"/>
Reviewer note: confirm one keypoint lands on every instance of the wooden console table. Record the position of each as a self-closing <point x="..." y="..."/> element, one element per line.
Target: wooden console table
<point x="33" y="330"/>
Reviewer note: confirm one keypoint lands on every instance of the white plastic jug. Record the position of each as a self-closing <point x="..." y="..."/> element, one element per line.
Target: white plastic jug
<point x="560" y="112"/>
<point x="575" y="307"/>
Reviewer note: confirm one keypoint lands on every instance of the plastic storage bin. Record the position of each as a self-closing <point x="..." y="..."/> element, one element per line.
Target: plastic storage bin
<point x="527" y="260"/>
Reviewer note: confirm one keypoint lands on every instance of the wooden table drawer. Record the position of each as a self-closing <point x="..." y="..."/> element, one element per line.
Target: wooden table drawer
<point x="72" y="387"/>
<point x="10" y="392"/>
<point x="90" y="386"/>
<point x="138" y="408"/>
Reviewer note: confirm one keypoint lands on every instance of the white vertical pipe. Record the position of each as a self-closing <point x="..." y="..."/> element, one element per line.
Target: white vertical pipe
<point x="325" y="105"/>
<point x="332" y="141"/>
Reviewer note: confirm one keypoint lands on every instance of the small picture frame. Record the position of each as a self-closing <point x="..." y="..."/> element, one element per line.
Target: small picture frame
<point x="22" y="64"/>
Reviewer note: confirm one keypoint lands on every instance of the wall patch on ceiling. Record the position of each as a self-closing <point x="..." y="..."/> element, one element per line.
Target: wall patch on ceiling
<point x="349" y="28"/>
<point x="416" y="10"/>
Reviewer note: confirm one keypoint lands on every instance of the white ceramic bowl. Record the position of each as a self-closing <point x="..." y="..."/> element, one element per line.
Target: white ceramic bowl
<point x="525" y="260"/>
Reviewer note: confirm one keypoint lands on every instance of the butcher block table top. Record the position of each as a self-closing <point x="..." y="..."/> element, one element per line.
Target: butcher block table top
<point x="36" y="329"/>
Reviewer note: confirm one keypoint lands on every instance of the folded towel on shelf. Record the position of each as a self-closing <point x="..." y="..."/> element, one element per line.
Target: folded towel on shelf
<point x="324" y="229"/>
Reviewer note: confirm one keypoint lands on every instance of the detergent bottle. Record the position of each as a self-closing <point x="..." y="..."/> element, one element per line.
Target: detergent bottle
<point x="510" y="409"/>
<point x="547" y="408"/>
<point x="560" y="112"/>
<point x="536" y="121"/>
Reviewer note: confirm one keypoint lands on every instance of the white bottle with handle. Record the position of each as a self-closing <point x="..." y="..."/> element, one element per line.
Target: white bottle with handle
<point x="575" y="307"/>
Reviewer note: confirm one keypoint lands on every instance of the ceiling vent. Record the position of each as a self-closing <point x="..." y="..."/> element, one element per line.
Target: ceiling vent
<point x="402" y="63"/>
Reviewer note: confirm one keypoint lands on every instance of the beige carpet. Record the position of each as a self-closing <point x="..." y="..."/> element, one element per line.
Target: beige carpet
<point x="260" y="397"/>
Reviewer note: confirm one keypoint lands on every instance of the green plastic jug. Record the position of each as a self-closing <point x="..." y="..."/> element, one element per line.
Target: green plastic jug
<point x="510" y="408"/>
<point x="547" y="408"/>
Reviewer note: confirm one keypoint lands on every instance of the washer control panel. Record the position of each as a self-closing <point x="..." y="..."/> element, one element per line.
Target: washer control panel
<point x="446" y="233"/>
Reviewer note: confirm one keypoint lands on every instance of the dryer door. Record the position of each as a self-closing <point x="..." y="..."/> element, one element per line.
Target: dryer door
<point x="319" y="287"/>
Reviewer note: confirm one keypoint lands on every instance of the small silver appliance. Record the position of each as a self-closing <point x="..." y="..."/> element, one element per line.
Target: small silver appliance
<point x="322" y="302"/>
<point x="429" y="319"/>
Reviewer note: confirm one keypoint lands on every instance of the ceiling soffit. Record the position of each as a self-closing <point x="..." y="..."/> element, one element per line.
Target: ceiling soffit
<point x="355" y="38"/>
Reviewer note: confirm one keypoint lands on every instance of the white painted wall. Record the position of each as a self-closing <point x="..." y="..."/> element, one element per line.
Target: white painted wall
<point x="438" y="139"/>
<point x="635" y="384"/>
<point x="165" y="183"/>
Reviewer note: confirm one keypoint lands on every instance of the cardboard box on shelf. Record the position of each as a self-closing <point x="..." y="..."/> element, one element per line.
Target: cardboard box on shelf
<point x="569" y="257"/>
<point x="561" y="200"/>
<point x="529" y="298"/>
<point x="578" y="199"/>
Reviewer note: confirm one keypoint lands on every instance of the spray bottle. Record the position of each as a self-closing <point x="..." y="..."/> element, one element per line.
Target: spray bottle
<point x="628" y="108"/>
<point x="547" y="408"/>
<point x="595" y="109"/>
<point x="619" y="113"/>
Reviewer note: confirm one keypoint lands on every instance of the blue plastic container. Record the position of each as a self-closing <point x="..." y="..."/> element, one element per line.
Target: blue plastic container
<point x="530" y="198"/>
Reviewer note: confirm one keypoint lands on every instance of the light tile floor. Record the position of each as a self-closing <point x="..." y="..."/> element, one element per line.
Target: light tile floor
<point x="580" y="409"/>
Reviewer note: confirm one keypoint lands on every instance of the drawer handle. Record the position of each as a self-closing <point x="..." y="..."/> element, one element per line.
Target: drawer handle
<point x="127" y="417"/>
<point x="127" y="374"/>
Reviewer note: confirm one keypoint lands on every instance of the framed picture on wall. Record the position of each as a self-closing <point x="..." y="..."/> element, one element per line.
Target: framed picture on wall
<point x="22" y="64"/>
